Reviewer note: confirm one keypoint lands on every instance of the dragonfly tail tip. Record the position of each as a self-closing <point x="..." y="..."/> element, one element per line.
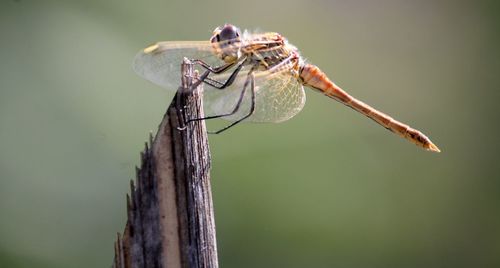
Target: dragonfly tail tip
<point x="433" y="147"/>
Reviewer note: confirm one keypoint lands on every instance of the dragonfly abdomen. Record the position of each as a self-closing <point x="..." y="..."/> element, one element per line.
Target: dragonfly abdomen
<point x="313" y="77"/>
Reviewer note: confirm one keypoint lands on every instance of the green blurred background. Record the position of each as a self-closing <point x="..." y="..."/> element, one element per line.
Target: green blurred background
<point x="328" y="188"/>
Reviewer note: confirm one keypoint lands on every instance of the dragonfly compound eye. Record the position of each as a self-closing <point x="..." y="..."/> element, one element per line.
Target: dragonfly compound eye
<point x="226" y="42"/>
<point x="229" y="32"/>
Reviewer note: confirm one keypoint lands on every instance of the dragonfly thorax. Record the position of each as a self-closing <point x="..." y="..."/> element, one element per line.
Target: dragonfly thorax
<point x="270" y="50"/>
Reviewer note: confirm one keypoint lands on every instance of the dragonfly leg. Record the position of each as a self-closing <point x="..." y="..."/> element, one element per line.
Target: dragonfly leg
<point x="252" y="109"/>
<point x="249" y="80"/>
<point x="218" y="84"/>
<point x="213" y="82"/>
<point x="214" y="70"/>
<point x="210" y="69"/>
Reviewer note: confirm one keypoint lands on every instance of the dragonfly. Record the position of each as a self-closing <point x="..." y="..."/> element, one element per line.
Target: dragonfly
<point x="254" y="77"/>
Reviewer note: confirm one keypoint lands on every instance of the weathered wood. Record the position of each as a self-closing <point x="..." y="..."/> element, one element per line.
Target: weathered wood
<point x="170" y="212"/>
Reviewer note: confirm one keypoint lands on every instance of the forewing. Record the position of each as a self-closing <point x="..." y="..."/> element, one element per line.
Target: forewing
<point x="161" y="63"/>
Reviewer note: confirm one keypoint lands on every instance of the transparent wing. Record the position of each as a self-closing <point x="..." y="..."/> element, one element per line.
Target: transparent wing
<point x="278" y="97"/>
<point x="161" y="63"/>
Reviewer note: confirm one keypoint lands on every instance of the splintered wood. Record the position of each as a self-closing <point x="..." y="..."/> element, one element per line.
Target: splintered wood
<point x="170" y="212"/>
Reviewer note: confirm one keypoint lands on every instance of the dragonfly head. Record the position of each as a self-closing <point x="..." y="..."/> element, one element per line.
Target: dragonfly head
<point x="226" y="41"/>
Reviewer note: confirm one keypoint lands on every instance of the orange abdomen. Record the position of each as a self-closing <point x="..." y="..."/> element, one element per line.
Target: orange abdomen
<point x="313" y="77"/>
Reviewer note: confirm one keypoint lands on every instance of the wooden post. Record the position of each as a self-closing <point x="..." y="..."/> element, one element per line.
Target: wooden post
<point x="170" y="212"/>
